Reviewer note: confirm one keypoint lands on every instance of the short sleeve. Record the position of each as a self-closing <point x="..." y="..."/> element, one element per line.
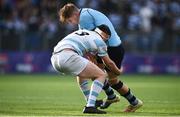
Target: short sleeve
<point x="101" y="47"/>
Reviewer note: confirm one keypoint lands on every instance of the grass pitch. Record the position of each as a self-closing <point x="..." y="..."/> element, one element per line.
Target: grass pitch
<point x="56" y="95"/>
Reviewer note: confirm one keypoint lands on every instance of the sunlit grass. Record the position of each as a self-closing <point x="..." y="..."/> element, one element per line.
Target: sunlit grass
<point x="55" y="95"/>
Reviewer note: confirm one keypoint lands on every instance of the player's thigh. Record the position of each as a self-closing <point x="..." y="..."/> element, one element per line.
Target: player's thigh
<point x="92" y="71"/>
<point x="83" y="68"/>
<point x="69" y="62"/>
<point x="76" y="64"/>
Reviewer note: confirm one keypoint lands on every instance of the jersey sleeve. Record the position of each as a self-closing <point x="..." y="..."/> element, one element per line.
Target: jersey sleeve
<point x="101" y="47"/>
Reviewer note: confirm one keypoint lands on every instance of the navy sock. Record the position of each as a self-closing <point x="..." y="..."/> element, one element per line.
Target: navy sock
<point x="109" y="91"/>
<point x="131" y="98"/>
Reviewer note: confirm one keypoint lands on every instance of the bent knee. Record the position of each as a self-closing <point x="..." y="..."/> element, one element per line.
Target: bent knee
<point x="101" y="76"/>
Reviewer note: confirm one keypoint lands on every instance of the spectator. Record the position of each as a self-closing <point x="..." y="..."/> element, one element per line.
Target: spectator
<point x="16" y="17"/>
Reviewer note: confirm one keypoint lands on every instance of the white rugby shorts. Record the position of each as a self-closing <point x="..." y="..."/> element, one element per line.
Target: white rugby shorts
<point x="68" y="62"/>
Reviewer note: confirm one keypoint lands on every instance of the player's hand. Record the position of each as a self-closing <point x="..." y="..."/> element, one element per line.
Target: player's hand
<point x="120" y="71"/>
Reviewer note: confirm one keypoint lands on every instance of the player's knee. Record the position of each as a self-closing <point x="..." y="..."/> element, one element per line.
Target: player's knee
<point x="102" y="76"/>
<point x="117" y="85"/>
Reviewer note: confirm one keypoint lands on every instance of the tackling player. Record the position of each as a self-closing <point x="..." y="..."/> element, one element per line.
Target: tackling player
<point x="67" y="58"/>
<point x="88" y="18"/>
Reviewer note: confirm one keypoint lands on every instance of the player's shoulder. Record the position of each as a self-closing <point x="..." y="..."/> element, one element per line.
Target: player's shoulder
<point x="88" y="11"/>
<point x="83" y="10"/>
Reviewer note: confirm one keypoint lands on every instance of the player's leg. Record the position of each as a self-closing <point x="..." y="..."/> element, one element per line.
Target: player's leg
<point x="92" y="71"/>
<point x="124" y="91"/>
<point x="71" y="62"/>
<point x="85" y="69"/>
<point x="118" y="85"/>
<point x="83" y="84"/>
<point x="111" y="96"/>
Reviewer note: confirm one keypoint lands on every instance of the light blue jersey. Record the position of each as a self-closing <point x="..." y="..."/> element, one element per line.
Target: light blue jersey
<point x="83" y="41"/>
<point x="90" y="19"/>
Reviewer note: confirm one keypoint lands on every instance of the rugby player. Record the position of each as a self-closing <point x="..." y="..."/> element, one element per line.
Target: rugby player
<point x="88" y="18"/>
<point x="68" y="57"/>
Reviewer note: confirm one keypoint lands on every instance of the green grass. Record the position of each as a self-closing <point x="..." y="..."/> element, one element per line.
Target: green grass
<point x="55" y="95"/>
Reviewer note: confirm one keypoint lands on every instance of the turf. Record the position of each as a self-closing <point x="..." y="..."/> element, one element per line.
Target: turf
<point x="56" y="95"/>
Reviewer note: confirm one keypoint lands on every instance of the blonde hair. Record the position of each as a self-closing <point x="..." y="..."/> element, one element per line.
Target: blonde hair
<point x="66" y="12"/>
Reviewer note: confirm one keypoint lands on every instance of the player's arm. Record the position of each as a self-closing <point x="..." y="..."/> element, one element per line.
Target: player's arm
<point x="102" y="52"/>
<point x="111" y="65"/>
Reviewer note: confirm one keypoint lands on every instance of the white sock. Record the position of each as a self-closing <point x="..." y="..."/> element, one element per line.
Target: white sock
<point x="85" y="89"/>
<point x="96" y="88"/>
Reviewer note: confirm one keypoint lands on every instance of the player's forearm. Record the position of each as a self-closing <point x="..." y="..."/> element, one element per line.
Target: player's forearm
<point x="111" y="65"/>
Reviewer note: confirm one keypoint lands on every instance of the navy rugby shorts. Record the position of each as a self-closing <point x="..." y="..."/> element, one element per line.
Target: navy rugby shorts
<point x="116" y="54"/>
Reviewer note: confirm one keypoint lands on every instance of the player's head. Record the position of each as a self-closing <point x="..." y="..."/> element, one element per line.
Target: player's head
<point x="104" y="31"/>
<point x="69" y="13"/>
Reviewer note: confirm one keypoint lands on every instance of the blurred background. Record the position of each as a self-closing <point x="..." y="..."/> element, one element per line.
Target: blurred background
<point x="149" y="30"/>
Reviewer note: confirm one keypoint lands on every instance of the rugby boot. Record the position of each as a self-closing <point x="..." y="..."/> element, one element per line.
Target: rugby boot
<point x="132" y="108"/>
<point x="98" y="103"/>
<point x="93" y="110"/>
<point x="108" y="102"/>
